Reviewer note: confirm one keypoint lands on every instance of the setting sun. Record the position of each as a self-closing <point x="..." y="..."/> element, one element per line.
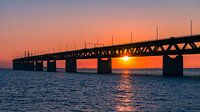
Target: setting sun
<point x="125" y="58"/>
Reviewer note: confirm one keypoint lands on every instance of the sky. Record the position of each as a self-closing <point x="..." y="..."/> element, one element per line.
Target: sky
<point x="41" y="26"/>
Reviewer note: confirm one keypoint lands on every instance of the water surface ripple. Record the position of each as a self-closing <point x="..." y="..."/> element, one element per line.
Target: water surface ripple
<point x="57" y="92"/>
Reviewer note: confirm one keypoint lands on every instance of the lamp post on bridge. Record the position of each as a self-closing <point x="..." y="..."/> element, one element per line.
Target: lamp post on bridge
<point x="191" y="27"/>
<point x="157" y="33"/>
<point x="131" y="37"/>
<point x="112" y="40"/>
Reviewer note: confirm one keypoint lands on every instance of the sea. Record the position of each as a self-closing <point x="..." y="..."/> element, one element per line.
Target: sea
<point x="130" y="90"/>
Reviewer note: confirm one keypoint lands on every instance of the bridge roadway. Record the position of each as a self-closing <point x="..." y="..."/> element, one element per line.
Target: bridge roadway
<point x="171" y="46"/>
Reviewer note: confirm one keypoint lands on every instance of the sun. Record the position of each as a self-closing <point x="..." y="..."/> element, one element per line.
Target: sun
<point x="125" y="58"/>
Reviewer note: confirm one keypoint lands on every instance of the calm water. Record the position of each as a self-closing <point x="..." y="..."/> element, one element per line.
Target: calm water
<point x="58" y="92"/>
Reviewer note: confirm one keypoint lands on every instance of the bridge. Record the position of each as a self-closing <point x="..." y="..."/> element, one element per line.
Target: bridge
<point x="178" y="46"/>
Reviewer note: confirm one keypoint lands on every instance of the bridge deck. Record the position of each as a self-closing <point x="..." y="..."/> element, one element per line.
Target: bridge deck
<point x="169" y="46"/>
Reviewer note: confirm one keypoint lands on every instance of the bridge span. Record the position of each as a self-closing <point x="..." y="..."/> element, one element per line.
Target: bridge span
<point x="178" y="46"/>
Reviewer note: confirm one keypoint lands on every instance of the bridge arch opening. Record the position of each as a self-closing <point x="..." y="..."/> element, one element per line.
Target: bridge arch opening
<point x="138" y="65"/>
<point x="191" y="66"/>
<point x="60" y="65"/>
<point x="45" y="65"/>
<point x="87" y="65"/>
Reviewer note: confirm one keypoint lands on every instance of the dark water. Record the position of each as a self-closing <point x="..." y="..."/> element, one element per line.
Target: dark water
<point x="57" y="92"/>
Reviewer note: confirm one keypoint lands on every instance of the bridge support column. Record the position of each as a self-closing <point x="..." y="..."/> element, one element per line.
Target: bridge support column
<point x="39" y="66"/>
<point x="29" y="65"/>
<point x="104" y="66"/>
<point x="23" y="65"/>
<point x="17" y="65"/>
<point x="14" y="65"/>
<point x="71" y="65"/>
<point x="51" y="66"/>
<point x="173" y="66"/>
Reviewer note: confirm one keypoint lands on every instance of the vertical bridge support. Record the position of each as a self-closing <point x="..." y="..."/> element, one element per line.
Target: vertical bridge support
<point x="51" y="66"/>
<point x="17" y="65"/>
<point x="173" y="66"/>
<point x="23" y="65"/>
<point x="29" y="65"/>
<point x="71" y="65"/>
<point x="104" y="66"/>
<point x="39" y="66"/>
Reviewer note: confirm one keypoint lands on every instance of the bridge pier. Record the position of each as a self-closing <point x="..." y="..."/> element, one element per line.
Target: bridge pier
<point x="51" y="66"/>
<point x="17" y="65"/>
<point x="104" y="66"/>
<point x="173" y="66"/>
<point x="71" y="65"/>
<point x="23" y="65"/>
<point x="29" y="65"/>
<point x="39" y="66"/>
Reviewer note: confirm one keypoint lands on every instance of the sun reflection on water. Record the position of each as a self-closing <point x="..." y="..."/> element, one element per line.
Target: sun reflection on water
<point x="124" y="94"/>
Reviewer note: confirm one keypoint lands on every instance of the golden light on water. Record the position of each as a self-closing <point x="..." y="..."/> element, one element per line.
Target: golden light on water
<point x="125" y="58"/>
<point x="124" y="98"/>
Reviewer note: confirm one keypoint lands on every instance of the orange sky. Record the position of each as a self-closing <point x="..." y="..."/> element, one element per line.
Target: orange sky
<point x="42" y="25"/>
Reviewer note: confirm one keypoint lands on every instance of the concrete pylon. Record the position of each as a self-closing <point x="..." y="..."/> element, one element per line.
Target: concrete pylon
<point x="71" y="65"/>
<point x="16" y="65"/>
<point x="23" y="65"/>
<point x="29" y="65"/>
<point x="39" y="66"/>
<point x="104" y="66"/>
<point x="51" y="66"/>
<point x="173" y="66"/>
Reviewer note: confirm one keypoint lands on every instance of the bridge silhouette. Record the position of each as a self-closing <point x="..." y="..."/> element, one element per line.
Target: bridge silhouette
<point x="165" y="47"/>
